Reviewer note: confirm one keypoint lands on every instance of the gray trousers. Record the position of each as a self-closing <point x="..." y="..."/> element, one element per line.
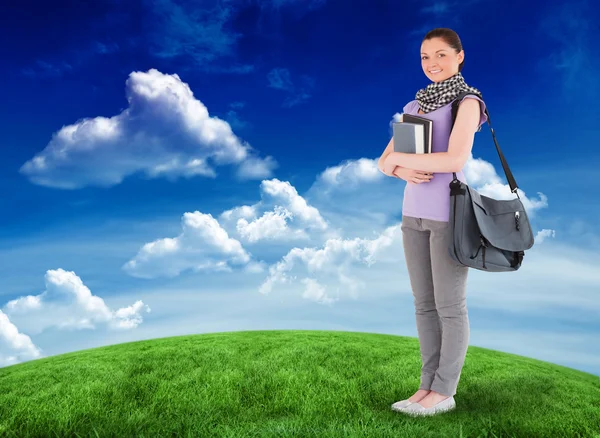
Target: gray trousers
<point x="439" y="289"/>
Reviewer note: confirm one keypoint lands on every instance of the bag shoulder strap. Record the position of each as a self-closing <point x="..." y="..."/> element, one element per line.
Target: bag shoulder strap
<point x="509" y="176"/>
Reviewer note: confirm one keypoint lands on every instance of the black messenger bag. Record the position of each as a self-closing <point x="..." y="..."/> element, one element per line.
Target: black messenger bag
<point x="487" y="234"/>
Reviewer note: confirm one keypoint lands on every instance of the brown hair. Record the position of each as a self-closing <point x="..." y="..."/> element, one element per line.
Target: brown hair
<point x="450" y="37"/>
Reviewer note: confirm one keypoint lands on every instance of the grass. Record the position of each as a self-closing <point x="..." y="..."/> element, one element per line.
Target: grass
<point x="288" y="383"/>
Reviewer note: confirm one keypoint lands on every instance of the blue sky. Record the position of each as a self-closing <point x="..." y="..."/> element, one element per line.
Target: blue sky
<point x="173" y="168"/>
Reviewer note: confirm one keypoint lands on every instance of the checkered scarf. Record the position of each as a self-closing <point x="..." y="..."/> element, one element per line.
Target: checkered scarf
<point x="438" y="94"/>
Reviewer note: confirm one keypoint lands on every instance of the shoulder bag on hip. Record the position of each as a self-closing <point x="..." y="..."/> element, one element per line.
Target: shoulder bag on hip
<point x="488" y="234"/>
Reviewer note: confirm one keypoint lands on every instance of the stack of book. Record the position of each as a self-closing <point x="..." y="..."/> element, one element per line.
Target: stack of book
<point x="412" y="134"/>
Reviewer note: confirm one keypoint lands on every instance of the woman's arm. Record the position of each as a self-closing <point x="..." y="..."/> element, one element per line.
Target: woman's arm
<point x="459" y="145"/>
<point x="389" y="149"/>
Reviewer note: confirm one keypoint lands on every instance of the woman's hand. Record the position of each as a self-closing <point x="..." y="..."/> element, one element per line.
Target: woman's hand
<point x="412" y="176"/>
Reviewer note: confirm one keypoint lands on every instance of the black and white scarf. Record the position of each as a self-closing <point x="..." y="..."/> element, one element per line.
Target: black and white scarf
<point x="438" y="94"/>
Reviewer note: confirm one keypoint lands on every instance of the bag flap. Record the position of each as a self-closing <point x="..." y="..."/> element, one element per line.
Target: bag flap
<point x="493" y="207"/>
<point x="496" y="221"/>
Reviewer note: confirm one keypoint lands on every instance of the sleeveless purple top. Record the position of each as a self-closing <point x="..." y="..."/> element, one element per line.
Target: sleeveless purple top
<point x="431" y="200"/>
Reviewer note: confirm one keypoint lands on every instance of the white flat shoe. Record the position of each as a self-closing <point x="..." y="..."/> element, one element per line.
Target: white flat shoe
<point x="415" y="409"/>
<point x="400" y="405"/>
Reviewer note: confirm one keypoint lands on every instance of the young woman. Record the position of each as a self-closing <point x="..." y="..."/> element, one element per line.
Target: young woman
<point x="438" y="283"/>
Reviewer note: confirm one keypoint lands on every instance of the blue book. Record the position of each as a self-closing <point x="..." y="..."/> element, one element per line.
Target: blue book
<point x="413" y="134"/>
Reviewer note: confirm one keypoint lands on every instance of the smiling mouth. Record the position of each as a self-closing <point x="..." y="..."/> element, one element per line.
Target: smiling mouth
<point x="434" y="72"/>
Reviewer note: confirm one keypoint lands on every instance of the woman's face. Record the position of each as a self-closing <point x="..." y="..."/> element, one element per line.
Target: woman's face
<point x="437" y="55"/>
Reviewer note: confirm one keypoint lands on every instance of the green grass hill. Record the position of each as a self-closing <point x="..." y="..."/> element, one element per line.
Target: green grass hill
<point x="286" y="383"/>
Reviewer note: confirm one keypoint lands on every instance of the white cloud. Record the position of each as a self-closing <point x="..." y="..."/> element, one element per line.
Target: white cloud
<point x="244" y="211"/>
<point x="285" y="215"/>
<point x="256" y="168"/>
<point x="68" y="304"/>
<point x="314" y="291"/>
<point x="351" y="174"/>
<point x="272" y="225"/>
<point x="286" y="194"/>
<point x="479" y="172"/>
<point x="164" y="133"/>
<point x="202" y="245"/>
<point x="323" y="271"/>
<point x="15" y="347"/>
<point x="541" y="235"/>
